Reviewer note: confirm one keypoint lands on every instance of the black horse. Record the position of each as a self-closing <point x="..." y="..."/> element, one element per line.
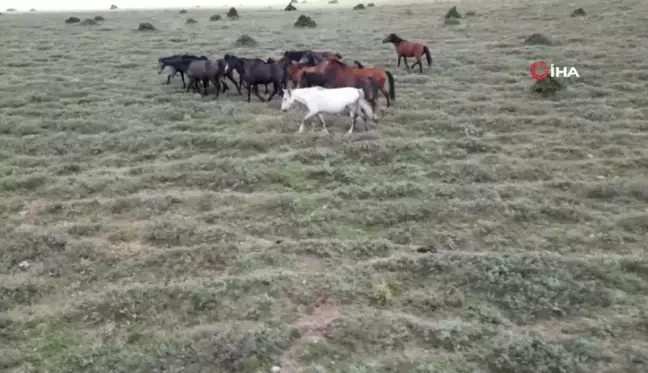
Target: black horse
<point x="332" y="79"/>
<point x="238" y="67"/>
<point x="294" y="56"/>
<point x="205" y="71"/>
<point x="257" y="71"/>
<point x="178" y="64"/>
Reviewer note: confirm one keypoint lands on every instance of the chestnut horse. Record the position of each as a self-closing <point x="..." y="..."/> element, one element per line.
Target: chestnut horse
<point x="381" y="75"/>
<point x="297" y="70"/>
<point x="406" y="49"/>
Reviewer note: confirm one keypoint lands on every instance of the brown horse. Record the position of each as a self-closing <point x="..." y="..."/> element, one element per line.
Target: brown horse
<point x="381" y="75"/>
<point x="406" y="49"/>
<point x="297" y="70"/>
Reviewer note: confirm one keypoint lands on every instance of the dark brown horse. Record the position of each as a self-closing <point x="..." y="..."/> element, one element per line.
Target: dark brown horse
<point x="205" y="71"/>
<point x="298" y="55"/>
<point x="381" y="75"/>
<point x="295" y="70"/>
<point x="406" y="49"/>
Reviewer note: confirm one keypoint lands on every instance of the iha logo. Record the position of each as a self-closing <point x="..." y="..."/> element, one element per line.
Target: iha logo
<point x="541" y="70"/>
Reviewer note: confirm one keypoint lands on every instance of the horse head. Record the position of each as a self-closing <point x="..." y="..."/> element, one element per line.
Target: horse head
<point x="287" y="100"/>
<point x="392" y="38"/>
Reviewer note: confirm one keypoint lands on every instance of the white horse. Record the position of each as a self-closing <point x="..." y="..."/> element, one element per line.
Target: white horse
<point x="320" y="100"/>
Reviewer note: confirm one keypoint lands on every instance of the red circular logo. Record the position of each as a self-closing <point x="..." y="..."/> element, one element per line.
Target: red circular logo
<point x="535" y="67"/>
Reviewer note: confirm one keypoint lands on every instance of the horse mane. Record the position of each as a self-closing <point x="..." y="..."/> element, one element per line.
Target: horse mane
<point x="337" y="61"/>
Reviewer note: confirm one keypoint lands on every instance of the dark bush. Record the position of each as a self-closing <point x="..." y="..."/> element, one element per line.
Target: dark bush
<point x="547" y="87"/>
<point x="99" y="18"/>
<point x="73" y="20"/>
<point x="371" y="5"/>
<point x="232" y="13"/>
<point x="452" y="21"/>
<point x="470" y="14"/>
<point x="89" y="22"/>
<point x="183" y="11"/>
<point x="305" y="22"/>
<point x="453" y="13"/>
<point x="290" y="7"/>
<point x="113" y="7"/>
<point x="580" y="12"/>
<point x="145" y="26"/>
<point x="537" y="39"/>
<point x="359" y="7"/>
<point x="190" y="21"/>
<point x="215" y="17"/>
<point x="245" y="41"/>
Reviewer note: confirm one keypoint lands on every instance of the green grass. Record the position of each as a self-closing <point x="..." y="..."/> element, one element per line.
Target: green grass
<point x="169" y="232"/>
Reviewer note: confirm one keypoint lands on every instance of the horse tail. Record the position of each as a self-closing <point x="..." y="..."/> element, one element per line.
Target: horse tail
<point x="358" y="64"/>
<point x="338" y="55"/>
<point x="364" y="105"/>
<point x="392" y="88"/>
<point x="428" y="57"/>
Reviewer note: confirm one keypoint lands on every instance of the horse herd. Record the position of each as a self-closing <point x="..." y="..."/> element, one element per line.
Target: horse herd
<point x="321" y="80"/>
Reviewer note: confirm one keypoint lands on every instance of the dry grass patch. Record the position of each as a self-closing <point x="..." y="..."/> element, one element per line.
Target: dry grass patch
<point x="479" y="227"/>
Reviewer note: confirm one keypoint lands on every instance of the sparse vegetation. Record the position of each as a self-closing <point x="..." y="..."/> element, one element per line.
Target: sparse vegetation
<point x="73" y="20"/>
<point x="145" y="26"/>
<point x="452" y="21"/>
<point x="333" y="1"/>
<point x="371" y="5"/>
<point x="113" y="7"/>
<point x="215" y="17"/>
<point x="11" y="10"/>
<point x="538" y="39"/>
<point x="359" y="7"/>
<point x="305" y="22"/>
<point x="245" y="41"/>
<point x="232" y="13"/>
<point x="453" y="13"/>
<point x="580" y="12"/>
<point x="32" y="10"/>
<point x="478" y="228"/>
<point x="471" y="14"/>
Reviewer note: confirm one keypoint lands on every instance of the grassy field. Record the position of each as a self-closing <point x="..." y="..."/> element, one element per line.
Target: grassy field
<point x="478" y="228"/>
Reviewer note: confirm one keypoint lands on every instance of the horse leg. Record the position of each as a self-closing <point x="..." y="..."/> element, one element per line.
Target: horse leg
<point x="182" y="77"/>
<point x="256" y="92"/>
<point x="309" y="115"/>
<point x="249" y="87"/>
<point x="266" y="91"/>
<point x="418" y="62"/>
<point x="206" y="84"/>
<point x="238" y="88"/>
<point x="188" y="87"/>
<point x="169" y="79"/>
<point x="399" y="60"/>
<point x="384" y="92"/>
<point x="275" y="89"/>
<point x="323" y="123"/>
<point x="353" y="113"/>
<point x="405" y="61"/>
